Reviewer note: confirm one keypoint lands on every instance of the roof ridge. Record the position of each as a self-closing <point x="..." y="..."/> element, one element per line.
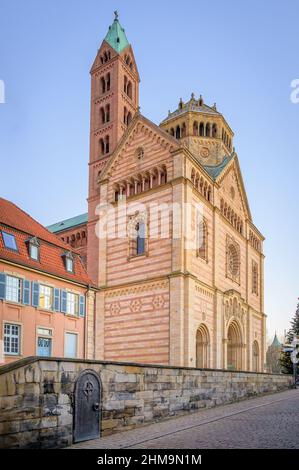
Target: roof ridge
<point x="42" y="227"/>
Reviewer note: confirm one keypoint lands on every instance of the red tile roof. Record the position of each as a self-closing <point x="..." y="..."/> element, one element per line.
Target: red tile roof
<point x="17" y="222"/>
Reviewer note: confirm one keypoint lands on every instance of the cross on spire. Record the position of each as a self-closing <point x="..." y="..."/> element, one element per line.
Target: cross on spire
<point x="116" y="15"/>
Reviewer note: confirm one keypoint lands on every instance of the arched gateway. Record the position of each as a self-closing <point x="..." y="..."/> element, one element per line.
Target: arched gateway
<point x="202" y="347"/>
<point x="234" y="346"/>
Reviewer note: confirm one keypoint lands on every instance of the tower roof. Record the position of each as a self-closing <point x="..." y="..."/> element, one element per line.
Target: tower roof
<point x="116" y="35"/>
<point x="276" y="343"/>
<point x="215" y="170"/>
<point x="193" y="105"/>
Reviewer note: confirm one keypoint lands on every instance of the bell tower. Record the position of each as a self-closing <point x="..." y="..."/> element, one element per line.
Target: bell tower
<point x="114" y="102"/>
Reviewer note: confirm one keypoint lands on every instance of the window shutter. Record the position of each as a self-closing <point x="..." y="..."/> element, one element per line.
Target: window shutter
<point x="26" y="292"/>
<point x="2" y="285"/>
<point x="82" y="306"/>
<point x="57" y="300"/>
<point x="35" y="294"/>
<point x="63" y="301"/>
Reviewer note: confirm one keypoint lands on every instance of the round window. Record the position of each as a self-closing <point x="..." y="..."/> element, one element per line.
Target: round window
<point x="233" y="260"/>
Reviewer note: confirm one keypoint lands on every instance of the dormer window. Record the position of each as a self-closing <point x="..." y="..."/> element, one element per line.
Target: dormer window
<point x="69" y="261"/>
<point x="33" y="247"/>
<point x="9" y="241"/>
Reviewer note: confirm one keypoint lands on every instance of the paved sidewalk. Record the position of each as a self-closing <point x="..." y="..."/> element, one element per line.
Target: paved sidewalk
<point x="270" y="421"/>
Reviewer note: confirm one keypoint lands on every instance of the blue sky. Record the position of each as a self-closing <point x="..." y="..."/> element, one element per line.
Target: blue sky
<point x="242" y="55"/>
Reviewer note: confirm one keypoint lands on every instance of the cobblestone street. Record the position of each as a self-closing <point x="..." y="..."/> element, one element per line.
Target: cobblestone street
<point x="270" y="421"/>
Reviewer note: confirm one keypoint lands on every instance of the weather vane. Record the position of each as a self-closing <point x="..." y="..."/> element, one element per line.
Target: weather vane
<point x="116" y="15"/>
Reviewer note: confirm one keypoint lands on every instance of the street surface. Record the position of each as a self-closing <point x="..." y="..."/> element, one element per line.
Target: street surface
<point x="270" y="421"/>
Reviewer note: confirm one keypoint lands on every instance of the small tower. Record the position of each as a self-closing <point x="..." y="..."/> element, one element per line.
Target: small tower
<point x="114" y="102"/>
<point x="273" y="356"/>
<point x="202" y="129"/>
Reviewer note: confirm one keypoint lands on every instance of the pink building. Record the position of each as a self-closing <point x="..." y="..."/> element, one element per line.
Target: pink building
<point x="46" y="296"/>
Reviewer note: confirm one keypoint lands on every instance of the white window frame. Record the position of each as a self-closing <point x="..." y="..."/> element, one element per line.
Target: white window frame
<point x="41" y="335"/>
<point x="77" y="344"/>
<point x="32" y="248"/>
<point x="48" y="304"/>
<point x="72" y="304"/>
<point x="10" y="335"/>
<point x="13" y="289"/>
<point x="69" y="265"/>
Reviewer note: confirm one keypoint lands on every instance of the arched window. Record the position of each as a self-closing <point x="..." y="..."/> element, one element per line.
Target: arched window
<point x="103" y="85"/>
<point x="195" y="128"/>
<point x="102" y="114"/>
<point x="140" y="238"/>
<point x="201" y="129"/>
<point x="221" y="205"/>
<point x="129" y="118"/>
<point x="172" y="131"/>
<point x="214" y="130"/>
<point x="178" y="132"/>
<point x="131" y="189"/>
<point x="108" y="81"/>
<point x="163" y="176"/>
<point x="146" y="183"/>
<point x="202" y="347"/>
<point x="107" y="149"/>
<point x="233" y="261"/>
<point x="106" y="57"/>
<point x="255" y="277"/>
<point x="128" y="61"/>
<point x="205" y="190"/>
<point x="129" y="90"/>
<point x="125" y="115"/>
<point x="107" y="112"/>
<point x="209" y="194"/>
<point x="183" y="130"/>
<point x="102" y="146"/>
<point x="202" y="239"/>
<point x="193" y="176"/>
<point x="154" y="178"/>
<point x="208" y="130"/>
<point x="201" y="185"/>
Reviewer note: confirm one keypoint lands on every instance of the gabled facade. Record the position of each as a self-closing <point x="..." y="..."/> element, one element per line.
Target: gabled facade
<point x="47" y="302"/>
<point x="171" y="241"/>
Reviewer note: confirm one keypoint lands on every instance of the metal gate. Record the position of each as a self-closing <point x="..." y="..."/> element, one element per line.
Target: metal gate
<point x="87" y="402"/>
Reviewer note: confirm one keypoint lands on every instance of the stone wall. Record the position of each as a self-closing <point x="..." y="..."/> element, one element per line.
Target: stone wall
<point x="37" y="400"/>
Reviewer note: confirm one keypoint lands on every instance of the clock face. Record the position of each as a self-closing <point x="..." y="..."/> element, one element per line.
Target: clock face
<point x="204" y="152"/>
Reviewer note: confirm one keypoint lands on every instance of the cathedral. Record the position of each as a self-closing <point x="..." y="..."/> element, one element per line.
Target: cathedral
<point x="169" y="239"/>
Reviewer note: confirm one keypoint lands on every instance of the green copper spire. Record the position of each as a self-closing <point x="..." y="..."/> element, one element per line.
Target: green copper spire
<point x="276" y="343"/>
<point x="116" y="35"/>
